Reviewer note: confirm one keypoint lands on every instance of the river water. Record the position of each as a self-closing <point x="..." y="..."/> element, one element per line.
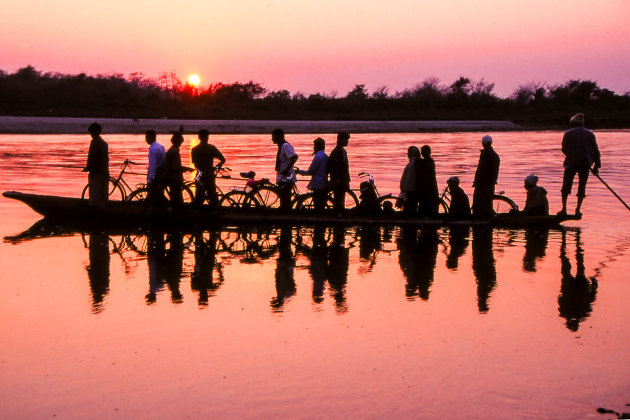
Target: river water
<point x="326" y="323"/>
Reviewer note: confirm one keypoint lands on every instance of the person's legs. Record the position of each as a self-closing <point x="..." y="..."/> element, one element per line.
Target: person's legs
<point x="284" y="193"/>
<point x="339" y="198"/>
<point x="567" y="184"/>
<point x="319" y="200"/>
<point x="583" y="178"/>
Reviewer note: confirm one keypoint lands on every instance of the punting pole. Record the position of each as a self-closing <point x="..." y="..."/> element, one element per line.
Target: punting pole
<point x="611" y="190"/>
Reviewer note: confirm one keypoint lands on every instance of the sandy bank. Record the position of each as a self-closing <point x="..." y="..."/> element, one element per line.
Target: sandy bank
<point x="53" y="125"/>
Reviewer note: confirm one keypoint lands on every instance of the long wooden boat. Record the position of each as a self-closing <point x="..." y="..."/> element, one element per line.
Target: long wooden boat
<point x="139" y="214"/>
<point x="76" y="210"/>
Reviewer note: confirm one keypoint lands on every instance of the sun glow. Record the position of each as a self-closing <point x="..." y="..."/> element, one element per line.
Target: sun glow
<point x="194" y="80"/>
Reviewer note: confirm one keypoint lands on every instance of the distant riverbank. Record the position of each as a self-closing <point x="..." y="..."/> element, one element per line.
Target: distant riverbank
<point x="54" y="125"/>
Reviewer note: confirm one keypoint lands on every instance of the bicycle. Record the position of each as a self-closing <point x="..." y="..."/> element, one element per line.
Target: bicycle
<point x="119" y="189"/>
<point x="369" y="192"/>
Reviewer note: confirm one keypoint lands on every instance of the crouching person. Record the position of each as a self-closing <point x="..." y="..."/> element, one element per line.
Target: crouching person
<point x="460" y="204"/>
<point x="536" y="203"/>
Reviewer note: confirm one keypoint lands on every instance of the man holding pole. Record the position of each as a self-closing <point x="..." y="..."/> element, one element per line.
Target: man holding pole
<point x="581" y="152"/>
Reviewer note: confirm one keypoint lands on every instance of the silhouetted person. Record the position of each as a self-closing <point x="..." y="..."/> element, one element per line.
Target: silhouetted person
<point x="155" y="174"/>
<point x="483" y="264"/>
<point x="174" y="171"/>
<point x="98" y="268"/>
<point x="536" y="203"/>
<point x="202" y="277"/>
<point x="486" y="178"/>
<point x="174" y="265"/>
<point x="535" y="247"/>
<point x="459" y="207"/>
<point x="285" y="173"/>
<point x="338" y="265"/>
<point x="577" y="293"/>
<point x="97" y="167"/>
<point x="285" y="267"/>
<point x="408" y="198"/>
<point x="426" y="184"/>
<point x="581" y="152"/>
<point x="319" y="178"/>
<point x="417" y="259"/>
<point x="457" y="242"/>
<point x="339" y="171"/>
<point x="155" y="261"/>
<point x="203" y="156"/>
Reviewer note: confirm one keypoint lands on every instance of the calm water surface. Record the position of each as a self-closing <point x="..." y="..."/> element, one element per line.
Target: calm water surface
<point x="326" y="323"/>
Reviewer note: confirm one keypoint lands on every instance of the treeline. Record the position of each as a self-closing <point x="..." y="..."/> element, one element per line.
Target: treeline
<point x="33" y="93"/>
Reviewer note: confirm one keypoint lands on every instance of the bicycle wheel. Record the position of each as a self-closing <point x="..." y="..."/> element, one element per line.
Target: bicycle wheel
<point x="502" y="204"/>
<point x="305" y="202"/>
<point x="116" y="192"/>
<point x="235" y="199"/>
<point x="264" y="196"/>
<point x="138" y="195"/>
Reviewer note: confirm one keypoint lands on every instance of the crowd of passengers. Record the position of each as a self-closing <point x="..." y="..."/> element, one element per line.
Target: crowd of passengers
<point x="330" y="174"/>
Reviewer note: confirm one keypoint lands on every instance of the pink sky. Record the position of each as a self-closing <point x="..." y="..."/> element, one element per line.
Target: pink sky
<point x="325" y="46"/>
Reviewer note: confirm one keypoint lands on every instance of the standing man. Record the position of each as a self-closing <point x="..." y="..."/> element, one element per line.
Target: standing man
<point x="426" y="184"/>
<point x="97" y="167"/>
<point x="339" y="171"/>
<point x="319" y="177"/>
<point x="580" y="151"/>
<point x="155" y="175"/>
<point x="174" y="171"/>
<point x="285" y="173"/>
<point x="485" y="179"/>
<point x="203" y="156"/>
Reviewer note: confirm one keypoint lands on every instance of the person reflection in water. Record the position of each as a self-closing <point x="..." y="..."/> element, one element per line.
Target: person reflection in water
<point x="417" y="259"/>
<point x="155" y="260"/>
<point x="338" y="265"/>
<point x="174" y="264"/>
<point x="535" y="247"/>
<point x="202" y="277"/>
<point x="577" y="293"/>
<point x="457" y="242"/>
<point x="98" y="269"/>
<point x="285" y="266"/>
<point x="483" y="265"/>
<point x="319" y="262"/>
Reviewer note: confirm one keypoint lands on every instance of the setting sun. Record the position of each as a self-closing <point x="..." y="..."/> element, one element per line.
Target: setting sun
<point x="194" y="80"/>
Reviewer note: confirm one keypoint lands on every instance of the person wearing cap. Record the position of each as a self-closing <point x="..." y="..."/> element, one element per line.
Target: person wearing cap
<point x="459" y="207"/>
<point x="319" y="177"/>
<point x="339" y="171"/>
<point x="581" y="152"/>
<point x="536" y="203"/>
<point x="486" y="178"/>
<point x="426" y="184"/>
<point x="285" y="171"/>
<point x="155" y="173"/>
<point x="97" y="167"/>
<point x="408" y="198"/>
<point x="174" y="171"/>
<point x="203" y="156"/>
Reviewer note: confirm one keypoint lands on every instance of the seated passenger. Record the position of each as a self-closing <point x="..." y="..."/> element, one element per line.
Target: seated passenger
<point x="536" y="203"/>
<point x="460" y="204"/>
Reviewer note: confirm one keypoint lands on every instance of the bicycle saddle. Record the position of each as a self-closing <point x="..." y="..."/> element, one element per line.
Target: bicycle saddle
<point x="250" y="174"/>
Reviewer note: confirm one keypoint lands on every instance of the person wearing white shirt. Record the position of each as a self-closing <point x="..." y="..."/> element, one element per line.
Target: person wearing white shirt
<point x="285" y="174"/>
<point x="157" y="156"/>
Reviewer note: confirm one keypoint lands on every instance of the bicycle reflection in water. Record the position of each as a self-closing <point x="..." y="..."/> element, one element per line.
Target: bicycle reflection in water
<point x="327" y="251"/>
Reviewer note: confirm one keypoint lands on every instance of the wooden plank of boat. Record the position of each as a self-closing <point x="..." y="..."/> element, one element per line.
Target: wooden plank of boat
<point x="117" y="212"/>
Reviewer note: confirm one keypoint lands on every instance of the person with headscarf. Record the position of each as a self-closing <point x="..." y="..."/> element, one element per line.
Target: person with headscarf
<point x="408" y="198"/>
<point x="459" y="207"/>
<point x="536" y="203"/>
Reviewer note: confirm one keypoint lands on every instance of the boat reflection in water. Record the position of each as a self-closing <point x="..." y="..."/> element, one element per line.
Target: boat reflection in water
<point x="325" y="254"/>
